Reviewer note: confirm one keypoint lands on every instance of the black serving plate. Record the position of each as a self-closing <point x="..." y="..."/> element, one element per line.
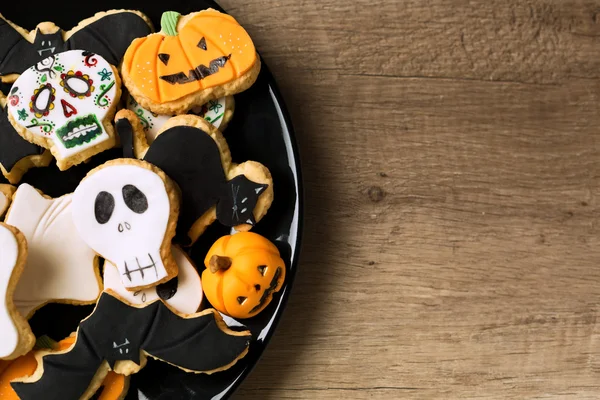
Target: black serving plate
<point x="260" y="130"/>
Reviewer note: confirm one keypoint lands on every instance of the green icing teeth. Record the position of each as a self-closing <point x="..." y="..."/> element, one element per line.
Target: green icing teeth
<point x="79" y="131"/>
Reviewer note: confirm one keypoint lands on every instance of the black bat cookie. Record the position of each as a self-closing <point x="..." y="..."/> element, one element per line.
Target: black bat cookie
<point x="190" y="157"/>
<point x="116" y="331"/>
<point x="108" y="36"/>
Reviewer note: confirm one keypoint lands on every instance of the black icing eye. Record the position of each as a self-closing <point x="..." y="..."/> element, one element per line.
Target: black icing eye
<point x="262" y="269"/>
<point x="202" y="43"/>
<point x="104" y="207"/>
<point x="135" y="199"/>
<point x="164" y="58"/>
<point x="77" y="85"/>
<point x="42" y="100"/>
<point x="241" y="300"/>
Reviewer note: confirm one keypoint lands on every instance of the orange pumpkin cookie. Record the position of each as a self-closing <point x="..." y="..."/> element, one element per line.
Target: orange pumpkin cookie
<point x="115" y="386"/>
<point x="193" y="59"/>
<point x="243" y="271"/>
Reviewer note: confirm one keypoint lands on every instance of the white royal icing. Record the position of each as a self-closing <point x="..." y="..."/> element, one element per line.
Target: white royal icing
<point x="9" y="253"/>
<point x="65" y="97"/>
<point x="60" y="266"/>
<point x="187" y="299"/>
<point x="213" y="112"/>
<point x="129" y="239"/>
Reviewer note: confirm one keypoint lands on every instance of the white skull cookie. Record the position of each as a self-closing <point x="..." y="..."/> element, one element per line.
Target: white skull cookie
<point x="65" y="103"/>
<point x="126" y="211"/>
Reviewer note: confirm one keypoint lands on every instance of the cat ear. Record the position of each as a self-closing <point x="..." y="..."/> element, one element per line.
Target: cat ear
<point x="131" y="134"/>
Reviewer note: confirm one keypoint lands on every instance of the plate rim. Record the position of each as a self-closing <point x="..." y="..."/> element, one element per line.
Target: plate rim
<point x="295" y="260"/>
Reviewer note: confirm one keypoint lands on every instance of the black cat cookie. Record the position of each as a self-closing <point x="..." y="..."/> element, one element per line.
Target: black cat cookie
<point x="196" y="156"/>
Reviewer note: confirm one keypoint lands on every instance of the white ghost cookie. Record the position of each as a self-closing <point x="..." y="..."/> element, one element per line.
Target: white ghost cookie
<point x="60" y="266"/>
<point x="16" y="335"/>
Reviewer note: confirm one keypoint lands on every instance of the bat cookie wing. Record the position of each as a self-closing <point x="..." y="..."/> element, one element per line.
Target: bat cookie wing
<point x="109" y="35"/>
<point x="16" y="53"/>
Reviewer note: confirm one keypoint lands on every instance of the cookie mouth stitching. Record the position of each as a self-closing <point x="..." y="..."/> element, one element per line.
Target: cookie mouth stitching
<point x="140" y="269"/>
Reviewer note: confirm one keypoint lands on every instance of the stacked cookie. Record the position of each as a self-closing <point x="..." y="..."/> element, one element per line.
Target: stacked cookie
<point x="133" y="216"/>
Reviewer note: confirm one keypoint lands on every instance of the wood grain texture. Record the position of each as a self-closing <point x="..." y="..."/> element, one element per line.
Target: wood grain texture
<point x="451" y="157"/>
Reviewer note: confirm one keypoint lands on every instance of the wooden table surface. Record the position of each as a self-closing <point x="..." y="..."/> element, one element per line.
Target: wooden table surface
<point x="451" y="160"/>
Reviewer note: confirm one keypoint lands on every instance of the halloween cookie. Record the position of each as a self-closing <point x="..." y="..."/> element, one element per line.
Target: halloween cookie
<point x="17" y="155"/>
<point x="65" y="103"/>
<point x="217" y="112"/>
<point x="242" y="273"/>
<point x="60" y="266"/>
<point x="17" y="338"/>
<point x="6" y="192"/>
<point x="196" y="156"/>
<point x="107" y="34"/>
<point x="114" y="386"/>
<point x="126" y="210"/>
<point x="120" y="336"/>
<point x="193" y="59"/>
<point x="182" y="293"/>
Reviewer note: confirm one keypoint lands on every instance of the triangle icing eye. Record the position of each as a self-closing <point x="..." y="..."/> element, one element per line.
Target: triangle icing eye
<point x="164" y="58"/>
<point x="241" y="300"/>
<point x="202" y="43"/>
<point x="262" y="269"/>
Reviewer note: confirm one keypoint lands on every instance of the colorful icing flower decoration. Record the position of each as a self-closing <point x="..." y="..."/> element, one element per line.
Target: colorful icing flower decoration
<point x="76" y="84"/>
<point x="243" y="271"/>
<point x="42" y="101"/>
<point x="213" y="105"/>
<point x="105" y="74"/>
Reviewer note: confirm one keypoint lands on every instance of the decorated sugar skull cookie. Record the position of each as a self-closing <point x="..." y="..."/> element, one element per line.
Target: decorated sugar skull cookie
<point x="126" y="210"/>
<point x="65" y="103"/>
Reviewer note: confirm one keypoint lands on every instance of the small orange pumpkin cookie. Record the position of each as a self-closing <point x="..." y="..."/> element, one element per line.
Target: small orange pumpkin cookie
<point x="193" y="59"/>
<point x="242" y="273"/>
<point x="115" y="386"/>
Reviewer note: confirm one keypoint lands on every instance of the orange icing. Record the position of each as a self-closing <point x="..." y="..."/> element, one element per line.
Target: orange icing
<point x="250" y="267"/>
<point x="223" y="37"/>
<point x="113" y="385"/>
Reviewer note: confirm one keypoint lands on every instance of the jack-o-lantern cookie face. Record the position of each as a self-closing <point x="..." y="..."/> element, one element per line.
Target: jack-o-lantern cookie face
<point x="243" y="272"/>
<point x="191" y="55"/>
<point x="64" y="103"/>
